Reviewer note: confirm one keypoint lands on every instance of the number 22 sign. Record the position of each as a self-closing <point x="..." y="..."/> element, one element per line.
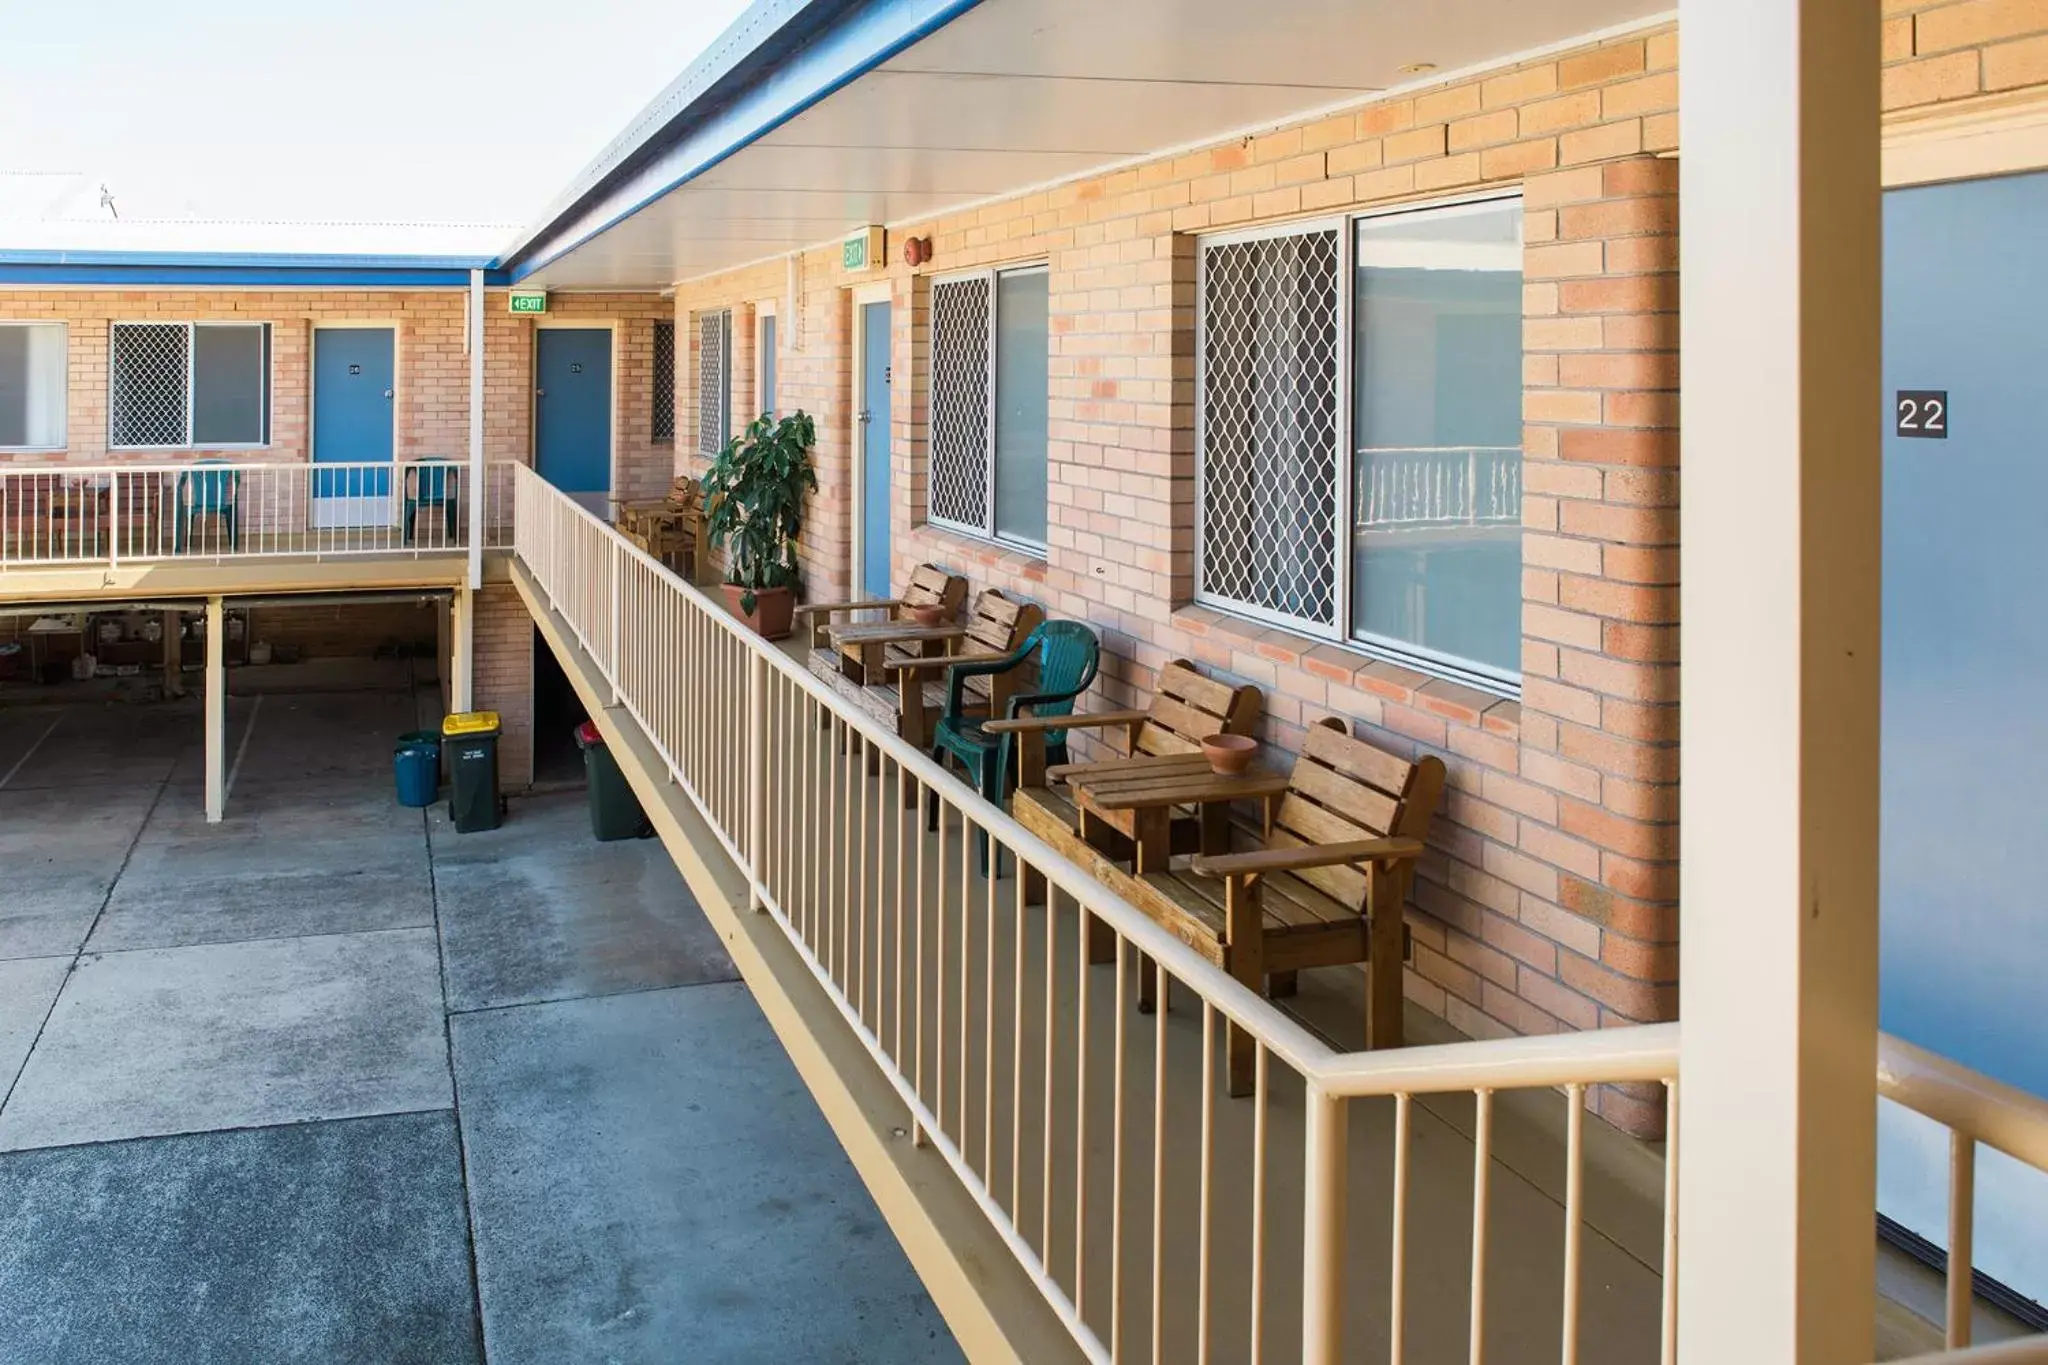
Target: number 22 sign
<point x="1923" y="414"/>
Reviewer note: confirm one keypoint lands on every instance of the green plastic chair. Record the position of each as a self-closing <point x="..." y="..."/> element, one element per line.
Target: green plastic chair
<point x="1068" y="656"/>
<point x="208" y="493"/>
<point x="431" y="482"/>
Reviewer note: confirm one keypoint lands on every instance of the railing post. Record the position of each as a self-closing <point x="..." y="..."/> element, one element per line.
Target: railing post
<point x="757" y="772"/>
<point x="1324" y="1169"/>
<point x="617" y="560"/>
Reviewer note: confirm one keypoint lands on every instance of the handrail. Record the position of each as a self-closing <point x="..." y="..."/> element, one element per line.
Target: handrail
<point x="1611" y="1056"/>
<point x="1989" y="1111"/>
<point x="2023" y="1351"/>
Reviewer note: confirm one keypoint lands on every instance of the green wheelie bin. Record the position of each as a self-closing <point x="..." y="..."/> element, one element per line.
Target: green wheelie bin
<point x="615" y="813"/>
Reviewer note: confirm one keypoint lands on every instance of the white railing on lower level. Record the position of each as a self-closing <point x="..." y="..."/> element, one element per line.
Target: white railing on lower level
<point x="214" y="510"/>
<point x="1231" y="1225"/>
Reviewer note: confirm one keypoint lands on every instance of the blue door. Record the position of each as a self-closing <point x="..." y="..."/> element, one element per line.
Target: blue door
<point x="1964" y="862"/>
<point x="874" y="449"/>
<point x="353" y="407"/>
<point x="573" y="409"/>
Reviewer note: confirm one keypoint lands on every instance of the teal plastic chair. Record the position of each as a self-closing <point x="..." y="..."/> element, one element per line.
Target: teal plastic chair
<point x="208" y="493"/>
<point x="431" y="482"/>
<point x="1068" y="655"/>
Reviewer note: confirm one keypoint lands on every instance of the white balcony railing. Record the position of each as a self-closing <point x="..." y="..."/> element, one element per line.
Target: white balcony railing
<point x="984" y="1015"/>
<point x="77" y="515"/>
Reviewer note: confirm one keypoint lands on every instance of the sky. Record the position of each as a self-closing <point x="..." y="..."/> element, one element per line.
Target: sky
<point x="474" y="111"/>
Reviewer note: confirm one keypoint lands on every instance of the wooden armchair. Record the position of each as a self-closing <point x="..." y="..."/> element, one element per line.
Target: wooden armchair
<point x="1328" y="888"/>
<point x="929" y="586"/>
<point x="672" y="529"/>
<point x="996" y="628"/>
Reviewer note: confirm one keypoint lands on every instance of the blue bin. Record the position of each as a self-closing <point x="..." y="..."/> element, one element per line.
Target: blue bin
<point x="416" y="763"/>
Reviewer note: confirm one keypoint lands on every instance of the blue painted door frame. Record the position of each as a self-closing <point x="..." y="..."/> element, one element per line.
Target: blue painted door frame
<point x="573" y="407"/>
<point x="1963" y="867"/>
<point x="354" y="377"/>
<point x="875" y="476"/>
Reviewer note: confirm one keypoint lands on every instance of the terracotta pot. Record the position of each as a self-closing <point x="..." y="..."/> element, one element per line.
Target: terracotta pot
<point x="1229" y="755"/>
<point x="927" y="616"/>
<point x="774" y="609"/>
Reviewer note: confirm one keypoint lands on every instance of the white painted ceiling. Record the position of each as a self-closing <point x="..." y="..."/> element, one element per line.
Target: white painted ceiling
<point x="1019" y="93"/>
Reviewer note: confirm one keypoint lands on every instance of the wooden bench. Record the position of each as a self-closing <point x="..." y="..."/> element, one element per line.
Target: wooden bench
<point x="1327" y="889"/>
<point x="929" y="586"/>
<point x="671" y="530"/>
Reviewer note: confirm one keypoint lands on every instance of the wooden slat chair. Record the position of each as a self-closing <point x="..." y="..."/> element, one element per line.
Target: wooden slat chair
<point x="997" y="627"/>
<point x="929" y="586"/>
<point x="1326" y="890"/>
<point x="1186" y="709"/>
<point x="672" y="529"/>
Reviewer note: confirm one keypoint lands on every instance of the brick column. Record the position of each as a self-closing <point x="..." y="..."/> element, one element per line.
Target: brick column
<point x="504" y="677"/>
<point x="1600" y="594"/>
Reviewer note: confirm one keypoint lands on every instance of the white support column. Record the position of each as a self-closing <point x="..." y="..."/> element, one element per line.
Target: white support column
<point x="479" y="491"/>
<point x="216" y="710"/>
<point x="462" y="669"/>
<point x="1779" y="494"/>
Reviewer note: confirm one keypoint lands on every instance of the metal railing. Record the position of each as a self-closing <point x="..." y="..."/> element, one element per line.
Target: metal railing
<point x="72" y="515"/>
<point x="1975" y="1109"/>
<point x="928" y="957"/>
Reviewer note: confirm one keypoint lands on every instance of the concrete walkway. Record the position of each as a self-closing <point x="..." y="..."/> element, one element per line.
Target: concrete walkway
<point x="330" y="1082"/>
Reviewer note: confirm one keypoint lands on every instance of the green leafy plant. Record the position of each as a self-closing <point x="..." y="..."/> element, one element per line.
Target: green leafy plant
<point x="754" y="502"/>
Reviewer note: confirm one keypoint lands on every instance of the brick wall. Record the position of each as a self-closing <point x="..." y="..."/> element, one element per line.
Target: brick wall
<point x="504" y="676"/>
<point x="356" y="630"/>
<point x="1548" y="900"/>
<point x="1936" y="51"/>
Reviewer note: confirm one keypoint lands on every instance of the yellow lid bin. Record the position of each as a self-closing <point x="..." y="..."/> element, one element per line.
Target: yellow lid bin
<point x="469" y="723"/>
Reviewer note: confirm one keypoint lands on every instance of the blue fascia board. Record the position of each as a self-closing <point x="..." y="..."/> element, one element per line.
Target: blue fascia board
<point x="820" y="51"/>
<point x="142" y="270"/>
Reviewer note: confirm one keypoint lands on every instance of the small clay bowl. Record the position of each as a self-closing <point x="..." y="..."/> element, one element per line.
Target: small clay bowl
<point x="927" y="616"/>
<point x="1229" y="755"/>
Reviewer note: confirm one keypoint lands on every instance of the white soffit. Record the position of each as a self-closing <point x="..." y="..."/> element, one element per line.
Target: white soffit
<point x="1019" y="93"/>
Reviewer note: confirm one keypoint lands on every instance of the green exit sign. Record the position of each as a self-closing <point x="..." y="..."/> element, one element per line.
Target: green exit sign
<point x="861" y="251"/>
<point x="529" y="301"/>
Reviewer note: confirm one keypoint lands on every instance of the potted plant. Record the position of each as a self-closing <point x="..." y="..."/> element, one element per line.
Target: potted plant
<point x="754" y="503"/>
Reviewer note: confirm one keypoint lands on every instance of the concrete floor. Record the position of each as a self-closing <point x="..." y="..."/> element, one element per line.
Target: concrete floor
<point x="330" y="1082"/>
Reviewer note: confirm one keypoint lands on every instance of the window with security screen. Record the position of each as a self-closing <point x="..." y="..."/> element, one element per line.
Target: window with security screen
<point x="990" y="364"/>
<point x="182" y="385"/>
<point x="664" y="381"/>
<point x="1360" y="433"/>
<point x="714" y="382"/>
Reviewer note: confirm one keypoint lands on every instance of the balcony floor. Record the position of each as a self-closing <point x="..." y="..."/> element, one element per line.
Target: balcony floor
<point x="314" y="1064"/>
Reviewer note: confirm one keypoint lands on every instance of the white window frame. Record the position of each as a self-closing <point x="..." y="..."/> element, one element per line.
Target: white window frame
<point x="1339" y="631"/>
<point x="63" y="441"/>
<point x="988" y="533"/>
<point x="192" y="386"/>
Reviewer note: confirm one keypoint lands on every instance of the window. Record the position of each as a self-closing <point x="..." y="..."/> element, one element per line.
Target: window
<point x="990" y="349"/>
<point x="714" y="382"/>
<point x="764" y="355"/>
<point x="181" y="384"/>
<point x="32" y="385"/>
<point x="664" y="381"/>
<point x="1360" y="433"/>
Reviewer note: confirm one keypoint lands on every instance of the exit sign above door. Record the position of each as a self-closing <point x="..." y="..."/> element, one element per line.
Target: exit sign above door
<point x="529" y="301"/>
<point x="862" y="250"/>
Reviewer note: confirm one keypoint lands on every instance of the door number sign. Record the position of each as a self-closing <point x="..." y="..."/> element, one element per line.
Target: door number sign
<point x="1923" y="414"/>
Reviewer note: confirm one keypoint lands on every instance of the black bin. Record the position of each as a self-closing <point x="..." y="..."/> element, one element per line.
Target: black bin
<point x="470" y="742"/>
<point x="615" y="813"/>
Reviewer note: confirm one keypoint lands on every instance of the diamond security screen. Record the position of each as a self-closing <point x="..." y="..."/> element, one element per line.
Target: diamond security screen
<point x="959" y="403"/>
<point x="664" y="381"/>
<point x="1271" y="388"/>
<point x="714" y="382"/>
<point x="149" y="378"/>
